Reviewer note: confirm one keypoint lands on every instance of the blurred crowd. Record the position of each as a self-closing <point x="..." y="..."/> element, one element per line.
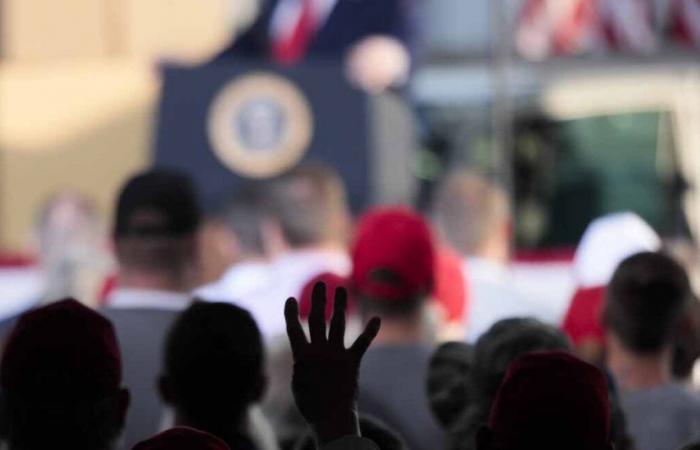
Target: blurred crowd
<point x="191" y="331"/>
<point x="179" y="328"/>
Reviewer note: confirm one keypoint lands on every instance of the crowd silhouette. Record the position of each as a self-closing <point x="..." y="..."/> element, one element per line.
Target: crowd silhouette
<point x="325" y="332"/>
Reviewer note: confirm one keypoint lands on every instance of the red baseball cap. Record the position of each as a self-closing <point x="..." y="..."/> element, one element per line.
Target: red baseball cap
<point x="61" y="351"/>
<point x="332" y="282"/>
<point x="551" y="400"/>
<point x="182" y="438"/>
<point x="398" y="241"/>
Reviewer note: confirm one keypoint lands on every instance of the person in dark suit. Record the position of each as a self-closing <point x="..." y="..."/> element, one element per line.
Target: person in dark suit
<point x="375" y="39"/>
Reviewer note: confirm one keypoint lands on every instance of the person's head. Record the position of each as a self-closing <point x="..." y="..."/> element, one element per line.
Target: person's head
<point x="549" y="400"/>
<point x="473" y="216"/>
<point x="213" y="367"/>
<point x="182" y="438"/>
<point x="393" y="260"/>
<point x="71" y="247"/>
<point x="502" y="344"/>
<point x="65" y="221"/>
<point x="245" y="216"/>
<point x="308" y="204"/>
<point x="646" y="301"/>
<point x="156" y="220"/>
<point x="474" y="385"/>
<point x="61" y="378"/>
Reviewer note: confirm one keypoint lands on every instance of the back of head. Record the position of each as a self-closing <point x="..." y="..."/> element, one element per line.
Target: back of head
<point x="549" y="400"/>
<point x="646" y="300"/>
<point x="244" y="214"/>
<point x="64" y="220"/>
<point x="487" y="365"/>
<point x="157" y="216"/>
<point x="468" y="209"/>
<point x="393" y="260"/>
<point x="71" y="248"/>
<point x="213" y="366"/>
<point x="502" y="344"/>
<point x="61" y="380"/>
<point x="182" y="438"/>
<point x="310" y="206"/>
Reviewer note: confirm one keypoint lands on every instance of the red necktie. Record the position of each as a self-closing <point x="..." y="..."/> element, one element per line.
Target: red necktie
<point x="291" y="47"/>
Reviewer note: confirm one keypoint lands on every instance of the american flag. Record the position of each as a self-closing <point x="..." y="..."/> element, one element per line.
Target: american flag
<point x="628" y="25"/>
<point x="569" y="27"/>
<point x="685" y="22"/>
<point x="557" y="27"/>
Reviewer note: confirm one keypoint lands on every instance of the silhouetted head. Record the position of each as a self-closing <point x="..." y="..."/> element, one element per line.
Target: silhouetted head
<point x="472" y="214"/>
<point x="61" y="381"/>
<point x="213" y="368"/>
<point x="549" y="400"/>
<point x="309" y="205"/>
<point x="182" y="438"/>
<point x="470" y="387"/>
<point x="647" y="299"/>
<point x="156" y="221"/>
<point x="393" y="262"/>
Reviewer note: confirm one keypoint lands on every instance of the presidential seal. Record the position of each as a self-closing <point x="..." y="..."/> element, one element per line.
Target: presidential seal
<point x="260" y="125"/>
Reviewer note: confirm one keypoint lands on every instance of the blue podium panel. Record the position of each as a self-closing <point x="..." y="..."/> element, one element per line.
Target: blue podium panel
<point x="224" y="124"/>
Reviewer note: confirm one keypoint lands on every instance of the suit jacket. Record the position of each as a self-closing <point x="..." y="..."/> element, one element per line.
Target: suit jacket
<point x="349" y="22"/>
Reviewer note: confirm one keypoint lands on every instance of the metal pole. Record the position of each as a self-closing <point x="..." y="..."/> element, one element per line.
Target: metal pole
<point x="502" y="107"/>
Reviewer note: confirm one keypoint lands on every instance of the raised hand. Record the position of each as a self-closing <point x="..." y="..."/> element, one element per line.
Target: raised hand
<point x="325" y="372"/>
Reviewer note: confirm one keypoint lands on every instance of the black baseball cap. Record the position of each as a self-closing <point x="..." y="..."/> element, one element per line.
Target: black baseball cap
<point x="157" y="202"/>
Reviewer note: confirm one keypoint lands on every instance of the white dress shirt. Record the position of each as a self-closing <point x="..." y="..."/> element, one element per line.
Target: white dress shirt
<point x="287" y="12"/>
<point x="128" y="298"/>
<point x="492" y="297"/>
<point x="239" y="282"/>
<point x="288" y="274"/>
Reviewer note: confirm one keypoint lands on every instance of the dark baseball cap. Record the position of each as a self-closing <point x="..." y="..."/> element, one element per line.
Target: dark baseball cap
<point x="157" y="202"/>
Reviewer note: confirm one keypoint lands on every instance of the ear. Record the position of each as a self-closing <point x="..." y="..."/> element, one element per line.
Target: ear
<point x="484" y="438"/>
<point x="166" y="390"/>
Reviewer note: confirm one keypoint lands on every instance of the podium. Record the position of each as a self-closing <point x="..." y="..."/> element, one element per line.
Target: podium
<point x="225" y="124"/>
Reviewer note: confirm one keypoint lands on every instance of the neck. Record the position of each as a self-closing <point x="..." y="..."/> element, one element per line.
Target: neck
<point x="152" y="281"/>
<point x="634" y="371"/>
<point x="404" y="330"/>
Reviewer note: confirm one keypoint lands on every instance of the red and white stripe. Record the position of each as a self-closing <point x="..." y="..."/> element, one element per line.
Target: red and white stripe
<point x="685" y="22"/>
<point x="628" y="25"/>
<point x="557" y="27"/>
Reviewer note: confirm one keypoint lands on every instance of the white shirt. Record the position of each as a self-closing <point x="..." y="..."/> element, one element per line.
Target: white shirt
<point x="21" y="289"/>
<point x="288" y="274"/>
<point x="127" y="298"/>
<point x="287" y="12"/>
<point x="239" y="282"/>
<point x="492" y="297"/>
